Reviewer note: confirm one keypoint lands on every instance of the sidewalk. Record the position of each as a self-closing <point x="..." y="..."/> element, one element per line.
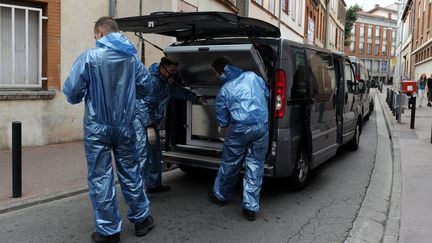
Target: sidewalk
<point x="43" y="174"/>
<point x="412" y="156"/>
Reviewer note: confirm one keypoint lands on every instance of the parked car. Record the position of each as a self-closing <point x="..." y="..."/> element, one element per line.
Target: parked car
<point x="362" y="76"/>
<point x="313" y="108"/>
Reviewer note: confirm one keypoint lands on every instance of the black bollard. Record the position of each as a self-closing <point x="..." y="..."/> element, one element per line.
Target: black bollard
<point x="16" y="160"/>
<point x="413" y="108"/>
<point x="388" y="95"/>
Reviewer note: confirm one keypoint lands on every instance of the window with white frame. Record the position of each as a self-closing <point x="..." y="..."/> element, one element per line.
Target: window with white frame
<point x="352" y="46"/>
<point x="300" y="13"/>
<point x="285" y="6"/>
<point x="377" y="34"/>
<point x="293" y="10"/>
<point x="272" y="6"/>
<point x="260" y="2"/>
<point x="20" y="47"/>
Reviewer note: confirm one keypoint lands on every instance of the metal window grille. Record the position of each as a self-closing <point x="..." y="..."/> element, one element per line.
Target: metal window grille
<point x="20" y="47"/>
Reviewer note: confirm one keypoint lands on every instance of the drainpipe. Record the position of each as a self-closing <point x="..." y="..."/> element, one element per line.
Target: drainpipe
<point x="112" y="8"/>
<point x="280" y="13"/>
<point x="327" y="24"/>
<point x="412" y="76"/>
<point x="246" y="8"/>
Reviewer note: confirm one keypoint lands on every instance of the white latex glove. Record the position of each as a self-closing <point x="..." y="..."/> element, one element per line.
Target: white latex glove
<point x="151" y="135"/>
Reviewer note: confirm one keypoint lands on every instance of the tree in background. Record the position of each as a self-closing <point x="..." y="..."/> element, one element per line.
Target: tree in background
<point x="350" y="19"/>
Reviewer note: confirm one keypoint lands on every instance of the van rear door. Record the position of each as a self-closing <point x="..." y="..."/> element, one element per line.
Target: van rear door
<point x="198" y="25"/>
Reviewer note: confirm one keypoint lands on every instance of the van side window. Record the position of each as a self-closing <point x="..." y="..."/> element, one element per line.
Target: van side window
<point x="300" y="88"/>
<point x="349" y="77"/>
<point x="322" y="75"/>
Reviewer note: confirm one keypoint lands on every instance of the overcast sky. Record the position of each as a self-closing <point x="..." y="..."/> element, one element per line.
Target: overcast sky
<point x="369" y="4"/>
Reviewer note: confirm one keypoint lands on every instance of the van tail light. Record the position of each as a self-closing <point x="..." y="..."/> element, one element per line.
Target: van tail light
<point x="357" y="77"/>
<point x="280" y="100"/>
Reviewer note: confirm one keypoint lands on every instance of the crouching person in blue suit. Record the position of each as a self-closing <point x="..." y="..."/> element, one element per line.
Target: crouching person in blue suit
<point x="241" y="106"/>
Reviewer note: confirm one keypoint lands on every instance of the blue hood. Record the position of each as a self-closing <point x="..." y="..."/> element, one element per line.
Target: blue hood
<point x="230" y="72"/>
<point x="154" y="69"/>
<point x="117" y="42"/>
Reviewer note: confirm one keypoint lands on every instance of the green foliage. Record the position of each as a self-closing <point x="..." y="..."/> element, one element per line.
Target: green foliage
<point x="350" y="18"/>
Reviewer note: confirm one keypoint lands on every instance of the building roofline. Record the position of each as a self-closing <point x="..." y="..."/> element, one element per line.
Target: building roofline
<point x="381" y="8"/>
<point x="367" y="14"/>
<point x="406" y="9"/>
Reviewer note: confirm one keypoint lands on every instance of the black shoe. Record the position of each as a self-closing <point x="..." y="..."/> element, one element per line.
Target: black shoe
<point x="144" y="227"/>
<point x="97" y="237"/>
<point x="429" y="104"/>
<point x="250" y="215"/>
<point x="214" y="199"/>
<point x="157" y="189"/>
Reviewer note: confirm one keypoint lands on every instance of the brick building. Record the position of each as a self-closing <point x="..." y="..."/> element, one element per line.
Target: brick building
<point x="422" y="38"/>
<point x="373" y="41"/>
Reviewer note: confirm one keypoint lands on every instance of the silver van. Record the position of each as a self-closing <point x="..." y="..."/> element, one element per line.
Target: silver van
<point x="313" y="106"/>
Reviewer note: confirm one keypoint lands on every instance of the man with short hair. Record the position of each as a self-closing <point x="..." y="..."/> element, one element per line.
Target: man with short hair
<point x="107" y="77"/>
<point x="241" y="106"/>
<point x="150" y="113"/>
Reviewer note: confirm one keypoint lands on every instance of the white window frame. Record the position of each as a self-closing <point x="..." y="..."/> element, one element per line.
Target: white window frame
<point x="293" y="10"/>
<point x="12" y="83"/>
<point x="300" y="17"/>
<point x="272" y="6"/>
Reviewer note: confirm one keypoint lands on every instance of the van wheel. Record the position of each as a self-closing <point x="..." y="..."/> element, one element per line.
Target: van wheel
<point x="353" y="144"/>
<point x="300" y="176"/>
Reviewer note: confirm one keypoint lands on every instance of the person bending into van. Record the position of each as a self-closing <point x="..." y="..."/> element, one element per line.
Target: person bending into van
<point x="241" y="105"/>
<point x="150" y="113"/>
<point x="106" y="77"/>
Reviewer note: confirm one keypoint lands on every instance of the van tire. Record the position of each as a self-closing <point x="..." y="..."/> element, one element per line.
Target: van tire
<point x="354" y="143"/>
<point x="300" y="176"/>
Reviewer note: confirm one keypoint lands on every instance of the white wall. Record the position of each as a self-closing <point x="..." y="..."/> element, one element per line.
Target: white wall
<point x="424" y="67"/>
<point x="294" y="19"/>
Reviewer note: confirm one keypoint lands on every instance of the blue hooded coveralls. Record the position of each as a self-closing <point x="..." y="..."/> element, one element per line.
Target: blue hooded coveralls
<point x="106" y="77"/>
<point x="151" y="111"/>
<point x="242" y="103"/>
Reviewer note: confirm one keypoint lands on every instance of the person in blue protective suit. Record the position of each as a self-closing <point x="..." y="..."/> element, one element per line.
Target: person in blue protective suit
<point x="151" y="111"/>
<point x="241" y="107"/>
<point x="107" y="77"/>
